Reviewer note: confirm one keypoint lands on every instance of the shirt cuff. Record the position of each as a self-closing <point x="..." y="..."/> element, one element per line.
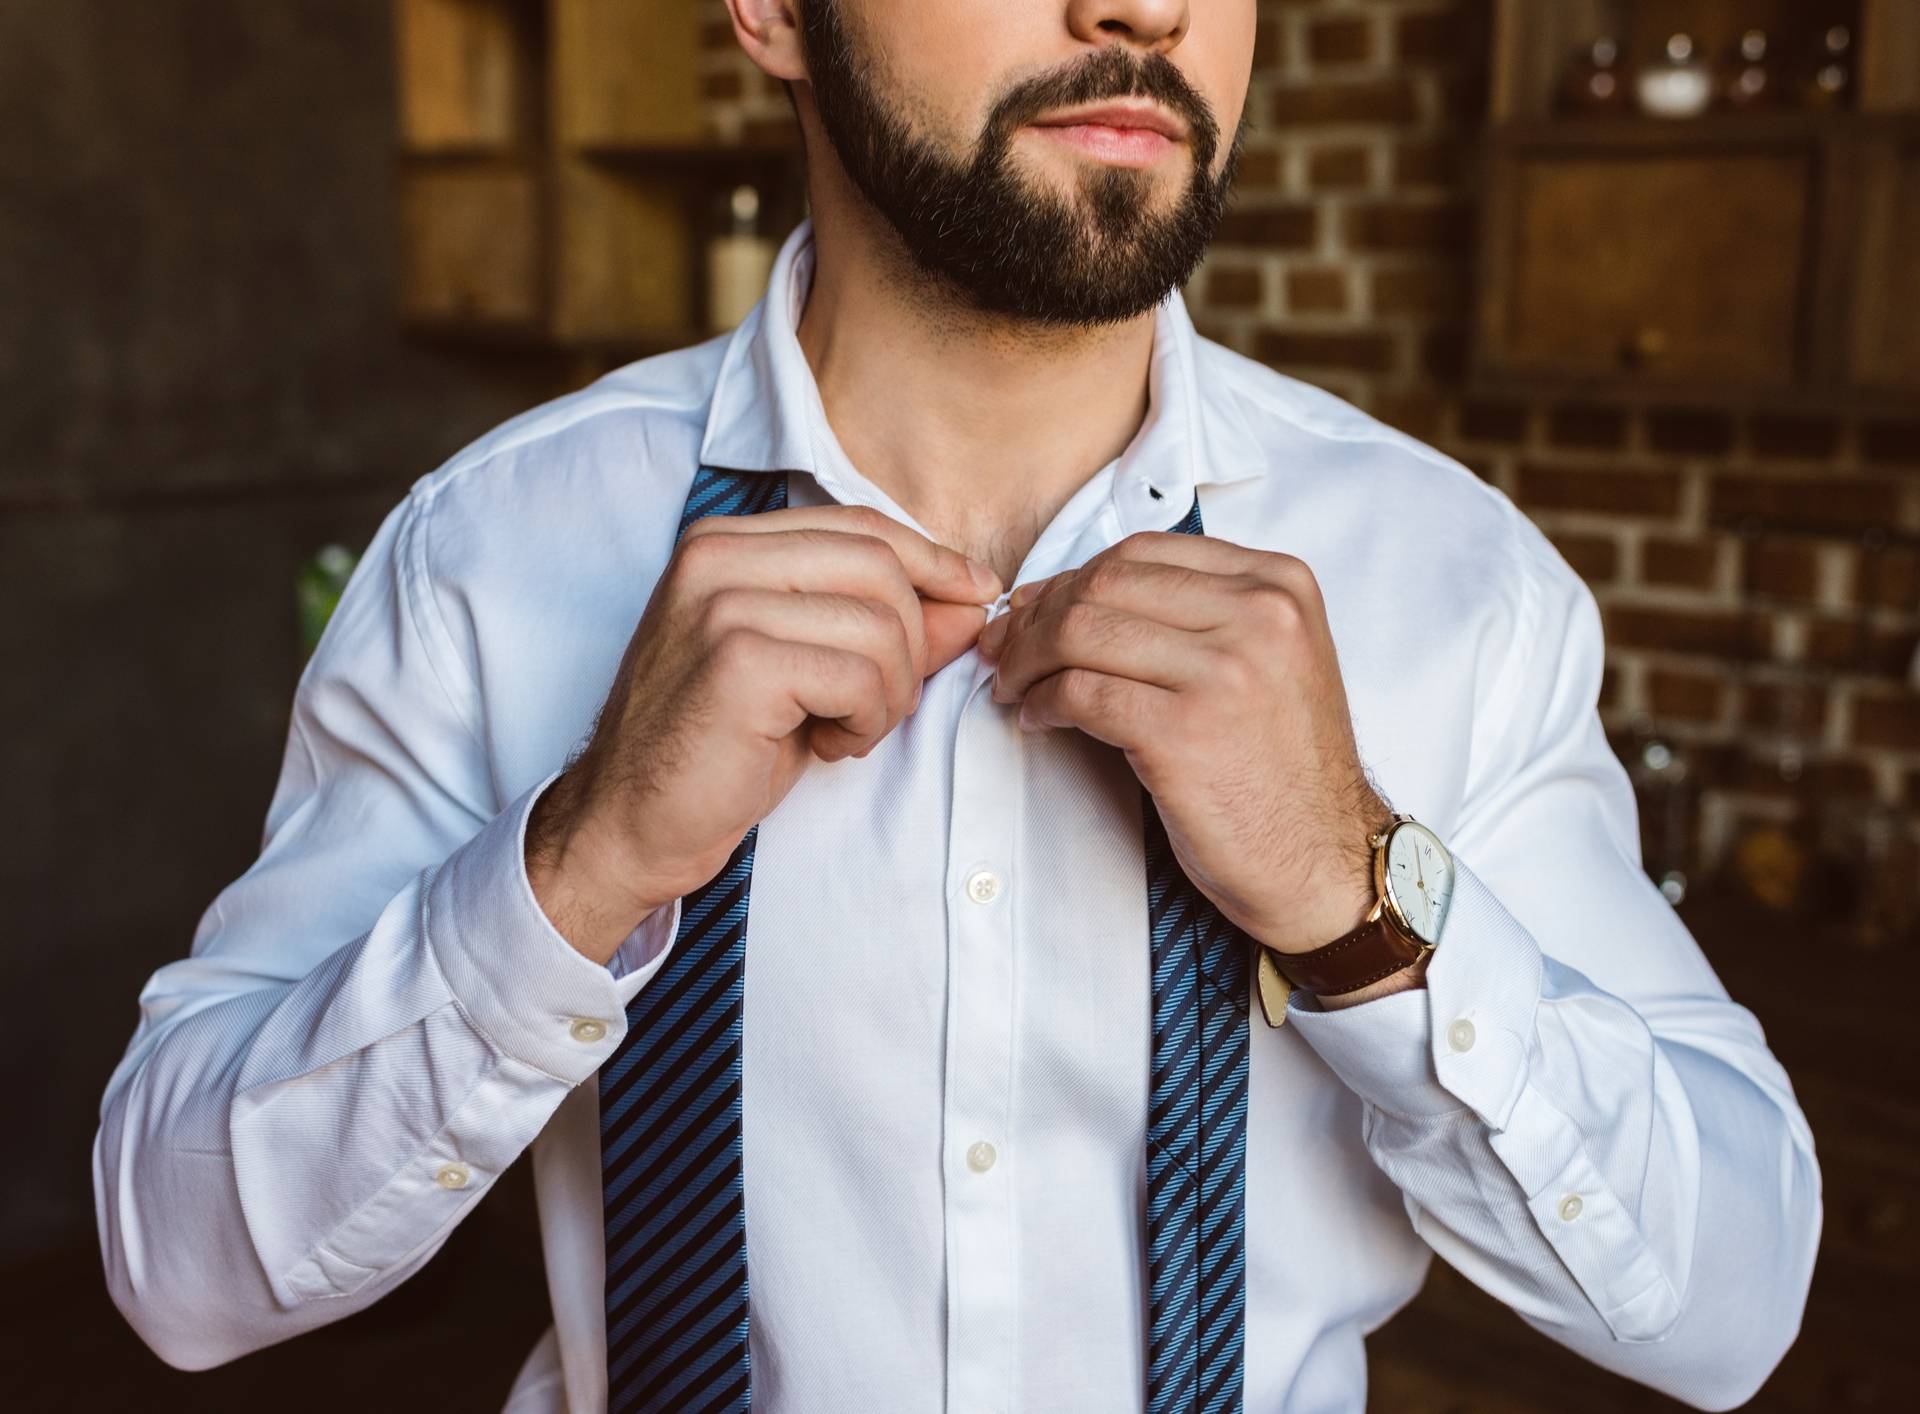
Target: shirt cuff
<point x="529" y="991"/>
<point x="1465" y="1040"/>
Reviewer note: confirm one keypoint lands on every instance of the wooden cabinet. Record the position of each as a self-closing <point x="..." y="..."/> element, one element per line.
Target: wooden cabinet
<point x="556" y="183"/>
<point x="1737" y="256"/>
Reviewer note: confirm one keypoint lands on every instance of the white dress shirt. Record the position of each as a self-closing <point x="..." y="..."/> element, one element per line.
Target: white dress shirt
<point x="947" y="1002"/>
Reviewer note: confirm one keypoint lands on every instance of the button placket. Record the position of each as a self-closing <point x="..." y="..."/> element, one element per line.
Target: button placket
<point x="981" y="886"/>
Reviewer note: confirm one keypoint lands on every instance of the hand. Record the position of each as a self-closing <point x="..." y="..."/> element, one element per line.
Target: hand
<point x="1212" y="667"/>
<point x="770" y="640"/>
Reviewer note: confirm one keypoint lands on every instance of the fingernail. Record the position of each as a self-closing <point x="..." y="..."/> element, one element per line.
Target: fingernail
<point x="985" y="578"/>
<point x="918" y="692"/>
<point x="991" y="635"/>
<point x="1022" y="594"/>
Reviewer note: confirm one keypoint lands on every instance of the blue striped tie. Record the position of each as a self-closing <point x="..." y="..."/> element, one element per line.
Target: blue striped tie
<point x="670" y="1132"/>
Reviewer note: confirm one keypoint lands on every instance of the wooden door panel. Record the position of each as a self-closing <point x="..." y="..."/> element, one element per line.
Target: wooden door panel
<point x="1685" y="267"/>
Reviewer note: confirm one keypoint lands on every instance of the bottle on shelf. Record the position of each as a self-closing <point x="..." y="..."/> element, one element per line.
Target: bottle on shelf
<point x="1830" y="84"/>
<point x="739" y="262"/>
<point x="1593" y="84"/>
<point x="1678" y="84"/>
<point x="1749" y="78"/>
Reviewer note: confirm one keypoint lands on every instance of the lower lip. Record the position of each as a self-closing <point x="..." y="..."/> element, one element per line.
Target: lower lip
<point x="1123" y="147"/>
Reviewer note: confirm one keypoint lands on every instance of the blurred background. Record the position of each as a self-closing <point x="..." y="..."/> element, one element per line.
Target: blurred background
<point x="1649" y="267"/>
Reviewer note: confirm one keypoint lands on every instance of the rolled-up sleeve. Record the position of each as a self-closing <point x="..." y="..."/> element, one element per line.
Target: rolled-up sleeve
<point x="373" y="1022"/>
<point x="1578" y="1117"/>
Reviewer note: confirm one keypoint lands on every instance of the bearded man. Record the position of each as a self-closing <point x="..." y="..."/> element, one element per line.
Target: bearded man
<point x="999" y="856"/>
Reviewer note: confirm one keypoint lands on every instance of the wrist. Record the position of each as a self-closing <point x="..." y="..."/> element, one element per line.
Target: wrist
<point x="582" y="879"/>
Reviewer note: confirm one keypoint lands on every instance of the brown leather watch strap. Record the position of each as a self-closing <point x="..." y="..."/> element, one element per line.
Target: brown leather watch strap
<point x="1370" y="953"/>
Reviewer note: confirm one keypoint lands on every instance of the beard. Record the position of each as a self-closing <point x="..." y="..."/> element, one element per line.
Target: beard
<point x="1003" y="242"/>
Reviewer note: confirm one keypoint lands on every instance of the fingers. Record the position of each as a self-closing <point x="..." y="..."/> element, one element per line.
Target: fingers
<point x="845" y="689"/>
<point x="935" y="570"/>
<point x="842" y="621"/>
<point x="1106" y="640"/>
<point x="1117" y="710"/>
<point x="951" y="630"/>
<point x="803" y="562"/>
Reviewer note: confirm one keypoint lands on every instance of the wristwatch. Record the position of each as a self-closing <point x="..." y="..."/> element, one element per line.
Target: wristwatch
<point x="1413" y="881"/>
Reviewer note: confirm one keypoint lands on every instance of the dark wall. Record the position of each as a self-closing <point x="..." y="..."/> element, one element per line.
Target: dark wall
<point x="201" y="381"/>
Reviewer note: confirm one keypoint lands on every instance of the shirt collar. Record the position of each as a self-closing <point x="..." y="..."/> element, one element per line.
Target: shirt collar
<point x="1193" y="435"/>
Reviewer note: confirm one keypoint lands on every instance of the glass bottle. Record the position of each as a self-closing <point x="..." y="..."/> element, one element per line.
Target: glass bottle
<point x="1593" y="83"/>
<point x="1830" y="85"/>
<point x="1749" y="78"/>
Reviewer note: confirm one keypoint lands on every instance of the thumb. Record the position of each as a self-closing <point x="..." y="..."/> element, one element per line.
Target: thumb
<point x="951" y="630"/>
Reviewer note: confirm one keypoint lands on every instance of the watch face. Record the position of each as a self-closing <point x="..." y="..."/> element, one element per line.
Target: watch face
<point x="1419" y="878"/>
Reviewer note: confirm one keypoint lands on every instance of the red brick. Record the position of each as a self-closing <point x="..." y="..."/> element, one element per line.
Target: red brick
<point x="1595" y="558"/>
<point x="1444" y="355"/>
<point x="1891" y="720"/>
<point x="1484" y="421"/>
<point x="1235" y="286"/>
<point x="1340" y="168"/>
<point x="1783" y="436"/>
<point x="1272" y="227"/>
<point x="1782" y="569"/>
<point x="1259" y="170"/>
<point x="1634" y="493"/>
<point x="1408" y="226"/>
<point x="1317" y="291"/>
<point x="1427" y="164"/>
<point x="1269" y="45"/>
<point x="1436" y="36"/>
<point x="1690" y="432"/>
<point x="1795" y="708"/>
<point x="1891" y="442"/>
<point x="1340" y="41"/>
<point x="1416" y="414"/>
<point x="1889" y="579"/>
<point x="1739" y="637"/>
<point x="1813" y="502"/>
<point x="1361" y="353"/>
<point x="1681" y="564"/>
<point x="1845" y="645"/>
<point x="1586" y="425"/>
<point x="1686" y="697"/>
<point x="1379" y="102"/>
<point x="1422" y="289"/>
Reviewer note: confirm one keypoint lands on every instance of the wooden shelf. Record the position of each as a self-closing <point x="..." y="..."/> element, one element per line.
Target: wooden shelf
<point x="556" y="184"/>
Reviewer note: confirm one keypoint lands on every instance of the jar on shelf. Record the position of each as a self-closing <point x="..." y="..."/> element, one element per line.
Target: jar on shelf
<point x="1593" y="83"/>
<point x="1679" y="84"/>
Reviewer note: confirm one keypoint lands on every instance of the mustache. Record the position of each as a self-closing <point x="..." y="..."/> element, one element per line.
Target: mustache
<point x="1113" y="72"/>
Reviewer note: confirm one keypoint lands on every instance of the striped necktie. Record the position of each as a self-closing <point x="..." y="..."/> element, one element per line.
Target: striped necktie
<point x="670" y="1132"/>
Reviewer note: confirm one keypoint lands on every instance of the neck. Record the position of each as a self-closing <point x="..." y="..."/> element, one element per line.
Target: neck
<point x="979" y="427"/>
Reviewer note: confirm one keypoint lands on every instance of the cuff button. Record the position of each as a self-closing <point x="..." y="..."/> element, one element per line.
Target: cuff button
<point x="586" y="1030"/>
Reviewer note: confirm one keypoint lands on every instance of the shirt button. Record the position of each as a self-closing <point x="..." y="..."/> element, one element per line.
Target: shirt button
<point x="1570" y="1207"/>
<point x="453" y="1176"/>
<point x="1460" y="1035"/>
<point x="983" y="886"/>
<point x="587" y="1030"/>
<point x="980" y="1156"/>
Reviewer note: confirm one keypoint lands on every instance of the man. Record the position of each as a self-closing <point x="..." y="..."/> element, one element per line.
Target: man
<point x="943" y="713"/>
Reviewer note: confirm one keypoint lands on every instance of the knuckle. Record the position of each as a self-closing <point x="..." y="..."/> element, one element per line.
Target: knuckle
<point x="1278" y="608"/>
<point x="736" y="651"/>
<point x="1081" y="623"/>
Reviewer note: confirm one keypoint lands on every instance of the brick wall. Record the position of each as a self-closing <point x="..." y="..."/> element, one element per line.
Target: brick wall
<point x="1781" y="664"/>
